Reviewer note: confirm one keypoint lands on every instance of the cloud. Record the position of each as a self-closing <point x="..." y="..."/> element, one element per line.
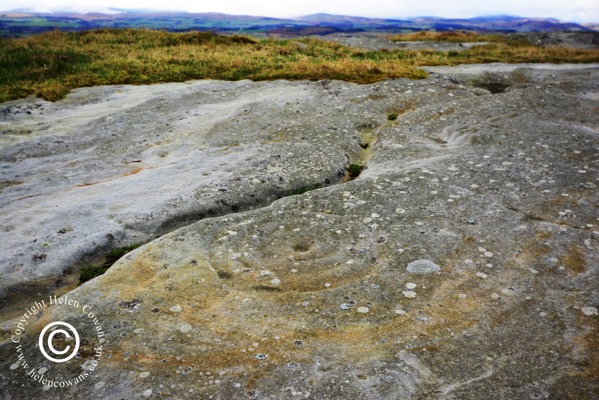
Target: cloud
<point x="575" y="10"/>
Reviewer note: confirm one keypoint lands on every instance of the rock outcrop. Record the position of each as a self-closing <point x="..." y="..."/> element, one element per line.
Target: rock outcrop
<point x="462" y="261"/>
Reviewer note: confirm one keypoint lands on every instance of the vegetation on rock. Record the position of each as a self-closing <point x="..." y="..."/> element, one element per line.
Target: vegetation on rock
<point x="354" y="170"/>
<point x="91" y="271"/>
<point x="51" y="64"/>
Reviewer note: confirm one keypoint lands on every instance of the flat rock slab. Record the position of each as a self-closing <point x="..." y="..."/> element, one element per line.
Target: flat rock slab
<point x="310" y="295"/>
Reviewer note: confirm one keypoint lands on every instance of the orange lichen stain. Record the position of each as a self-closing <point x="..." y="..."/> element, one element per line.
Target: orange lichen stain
<point x="133" y="274"/>
<point x="359" y="341"/>
<point x="543" y="234"/>
<point x="585" y="348"/>
<point x="574" y="259"/>
<point x="133" y="171"/>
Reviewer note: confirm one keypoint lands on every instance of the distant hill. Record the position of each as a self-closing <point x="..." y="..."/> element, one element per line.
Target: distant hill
<point x="24" y="22"/>
<point x="502" y="23"/>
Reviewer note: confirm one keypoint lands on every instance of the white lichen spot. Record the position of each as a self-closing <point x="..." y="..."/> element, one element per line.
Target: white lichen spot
<point x="327" y="285"/>
<point x="275" y="282"/>
<point x="265" y="272"/>
<point x="589" y="311"/>
<point x="462" y="295"/>
<point x="495" y="296"/>
<point x="422" y="267"/>
<point x="148" y="392"/>
<point x="99" y="385"/>
<point x="144" y="374"/>
<point x="488" y="254"/>
<point x="481" y="275"/>
<point x="176" y="308"/>
<point x="362" y="310"/>
<point x="399" y="311"/>
<point x="409" y="294"/>
<point x="350" y="262"/>
<point x="411" y="285"/>
<point x="185" y="328"/>
<point x="400" y="210"/>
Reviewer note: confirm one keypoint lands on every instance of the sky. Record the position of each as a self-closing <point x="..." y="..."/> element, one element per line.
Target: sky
<point x="565" y="10"/>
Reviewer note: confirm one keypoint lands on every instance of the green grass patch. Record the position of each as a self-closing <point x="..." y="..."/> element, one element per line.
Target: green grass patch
<point x="305" y="189"/>
<point x="91" y="271"/>
<point x="354" y="170"/>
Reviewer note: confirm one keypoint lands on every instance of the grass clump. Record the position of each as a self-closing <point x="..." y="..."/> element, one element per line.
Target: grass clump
<point x="91" y="271"/>
<point x="354" y="170"/>
<point x="306" y="189"/>
<point x="51" y="64"/>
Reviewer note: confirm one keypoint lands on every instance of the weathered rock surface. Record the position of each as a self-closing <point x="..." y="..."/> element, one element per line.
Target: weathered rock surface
<point x="310" y="296"/>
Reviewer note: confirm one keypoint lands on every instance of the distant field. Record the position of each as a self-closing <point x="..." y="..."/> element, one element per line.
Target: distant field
<point x="449" y="36"/>
<point x="11" y="26"/>
<point x="51" y="64"/>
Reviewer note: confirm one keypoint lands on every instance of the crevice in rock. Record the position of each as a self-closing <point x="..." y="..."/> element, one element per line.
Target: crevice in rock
<point x="17" y="296"/>
<point x="493" y="87"/>
<point x="367" y="142"/>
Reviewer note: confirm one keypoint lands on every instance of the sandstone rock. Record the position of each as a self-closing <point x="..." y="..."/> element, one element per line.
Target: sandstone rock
<point x="487" y="184"/>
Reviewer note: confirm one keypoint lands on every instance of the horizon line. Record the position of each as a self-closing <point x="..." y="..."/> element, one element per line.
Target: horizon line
<point x="118" y="10"/>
